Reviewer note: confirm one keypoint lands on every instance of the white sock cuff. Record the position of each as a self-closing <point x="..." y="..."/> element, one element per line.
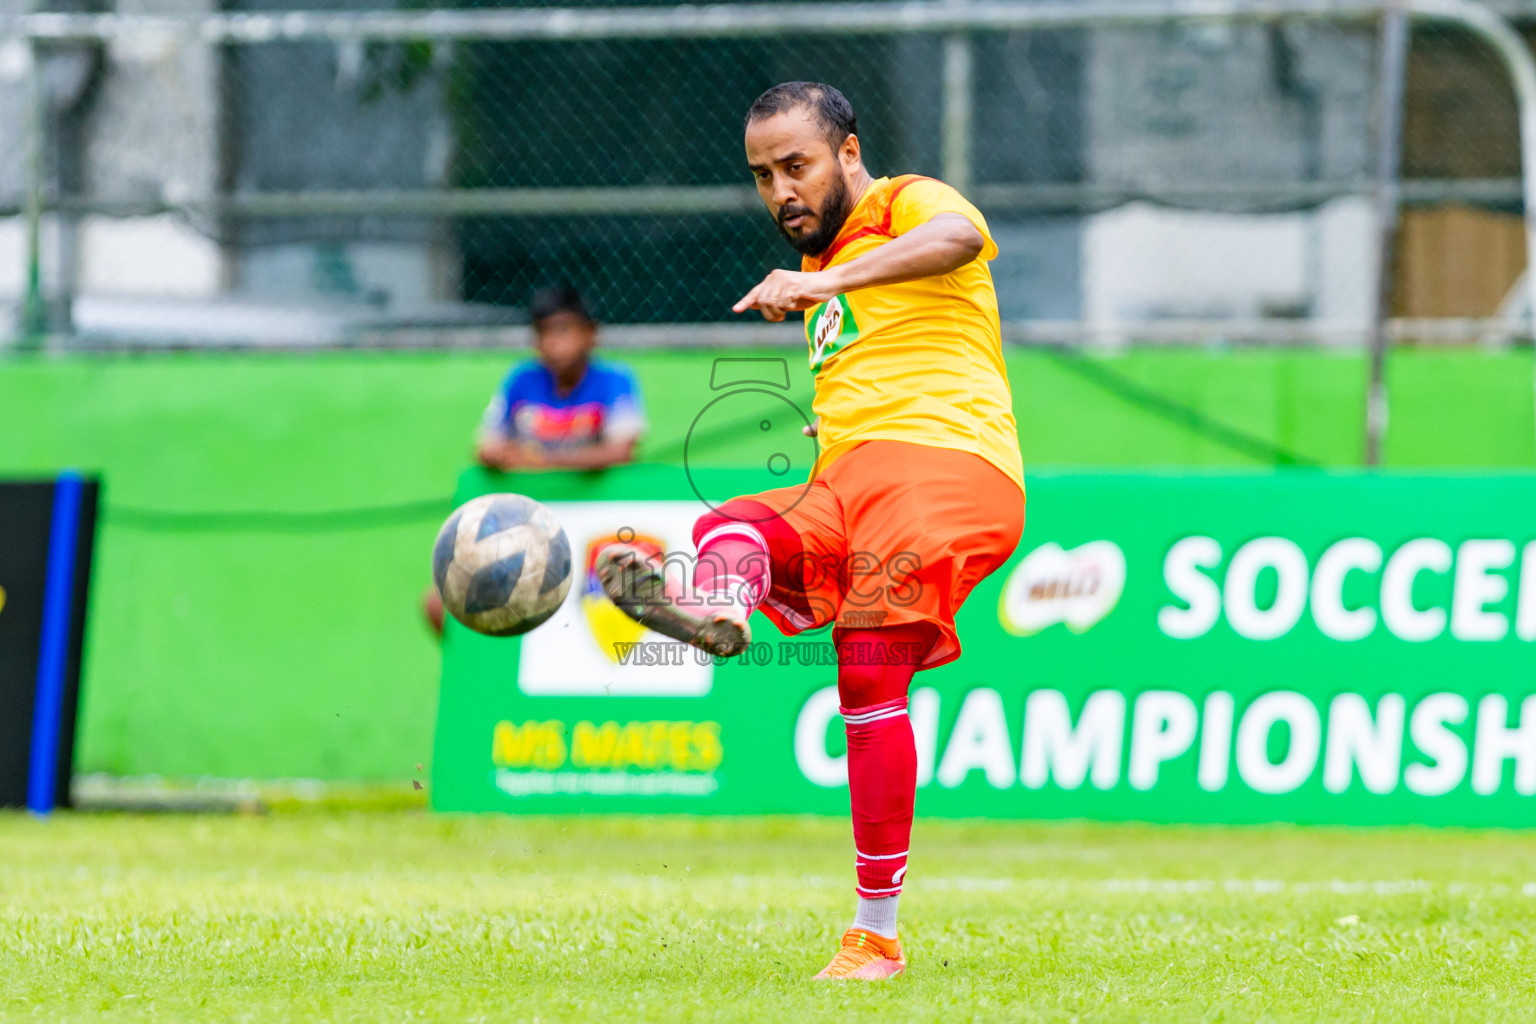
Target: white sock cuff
<point x="878" y="714"/>
<point x="746" y="531"/>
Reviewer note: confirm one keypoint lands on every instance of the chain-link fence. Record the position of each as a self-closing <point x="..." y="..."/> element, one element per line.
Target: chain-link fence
<point x="203" y="176"/>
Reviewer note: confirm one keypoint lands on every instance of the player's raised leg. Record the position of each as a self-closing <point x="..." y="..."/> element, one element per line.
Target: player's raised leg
<point x="766" y="548"/>
<point x="714" y="620"/>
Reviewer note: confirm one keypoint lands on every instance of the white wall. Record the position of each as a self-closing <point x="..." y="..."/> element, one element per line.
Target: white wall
<point x="1142" y="262"/>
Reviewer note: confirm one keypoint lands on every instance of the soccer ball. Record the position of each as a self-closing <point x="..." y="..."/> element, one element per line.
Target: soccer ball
<point x="502" y="564"/>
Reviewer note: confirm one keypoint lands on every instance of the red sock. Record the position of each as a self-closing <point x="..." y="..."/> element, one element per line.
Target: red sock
<point x="875" y="667"/>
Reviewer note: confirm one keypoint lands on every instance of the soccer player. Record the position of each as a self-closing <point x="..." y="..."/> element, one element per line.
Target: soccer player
<point x="918" y="492"/>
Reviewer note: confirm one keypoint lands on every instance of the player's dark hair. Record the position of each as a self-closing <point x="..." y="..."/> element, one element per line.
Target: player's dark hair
<point x="831" y="108"/>
<point x="560" y="299"/>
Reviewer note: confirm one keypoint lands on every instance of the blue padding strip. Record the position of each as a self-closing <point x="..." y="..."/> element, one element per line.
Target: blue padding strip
<point x="53" y="657"/>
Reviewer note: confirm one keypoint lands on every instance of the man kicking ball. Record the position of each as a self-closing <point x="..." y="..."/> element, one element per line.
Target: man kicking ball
<point x="919" y="486"/>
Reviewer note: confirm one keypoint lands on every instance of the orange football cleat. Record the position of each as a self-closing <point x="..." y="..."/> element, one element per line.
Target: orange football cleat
<point x="865" y="956"/>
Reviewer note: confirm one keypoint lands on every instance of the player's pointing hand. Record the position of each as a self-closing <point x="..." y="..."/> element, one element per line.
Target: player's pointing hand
<point x="785" y="290"/>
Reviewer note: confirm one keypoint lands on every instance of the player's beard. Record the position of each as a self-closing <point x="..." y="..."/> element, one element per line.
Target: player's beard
<point x="829" y="219"/>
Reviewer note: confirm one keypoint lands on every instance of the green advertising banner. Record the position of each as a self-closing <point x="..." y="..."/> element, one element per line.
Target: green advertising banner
<point x="1299" y="646"/>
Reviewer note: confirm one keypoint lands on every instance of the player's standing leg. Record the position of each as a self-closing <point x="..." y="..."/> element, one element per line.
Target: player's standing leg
<point x="875" y="668"/>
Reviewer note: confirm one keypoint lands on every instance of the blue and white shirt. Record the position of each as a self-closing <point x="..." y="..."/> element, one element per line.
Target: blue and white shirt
<point x="605" y="406"/>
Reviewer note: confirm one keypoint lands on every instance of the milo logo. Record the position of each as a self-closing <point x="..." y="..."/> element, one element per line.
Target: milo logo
<point x="829" y="328"/>
<point x="1079" y="587"/>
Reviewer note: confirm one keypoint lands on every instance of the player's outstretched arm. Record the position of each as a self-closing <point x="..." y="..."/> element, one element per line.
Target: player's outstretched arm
<point x="946" y="242"/>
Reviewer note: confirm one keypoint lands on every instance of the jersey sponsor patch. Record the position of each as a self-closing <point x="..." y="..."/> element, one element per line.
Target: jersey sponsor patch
<point x="830" y="328"/>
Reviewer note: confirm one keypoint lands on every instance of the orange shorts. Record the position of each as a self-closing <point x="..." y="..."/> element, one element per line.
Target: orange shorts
<point x="888" y="534"/>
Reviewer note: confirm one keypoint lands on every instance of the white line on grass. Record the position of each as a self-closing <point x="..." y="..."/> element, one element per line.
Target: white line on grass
<point x="1192" y="886"/>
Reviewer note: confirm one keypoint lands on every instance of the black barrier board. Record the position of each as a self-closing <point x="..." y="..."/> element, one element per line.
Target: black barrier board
<point x="26" y="515"/>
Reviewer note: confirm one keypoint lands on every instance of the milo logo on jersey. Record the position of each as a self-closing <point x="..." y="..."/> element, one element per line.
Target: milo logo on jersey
<point x="829" y="328"/>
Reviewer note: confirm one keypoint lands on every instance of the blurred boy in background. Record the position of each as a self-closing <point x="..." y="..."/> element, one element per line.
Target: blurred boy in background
<point x="563" y="410"/>
<point x="560" y="410"/>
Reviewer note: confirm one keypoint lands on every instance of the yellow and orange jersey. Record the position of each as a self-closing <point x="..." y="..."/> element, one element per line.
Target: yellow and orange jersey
<point x="920" y="361"/>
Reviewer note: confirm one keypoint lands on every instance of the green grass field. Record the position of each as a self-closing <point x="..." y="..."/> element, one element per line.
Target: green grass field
<point x="386" y="916"/>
